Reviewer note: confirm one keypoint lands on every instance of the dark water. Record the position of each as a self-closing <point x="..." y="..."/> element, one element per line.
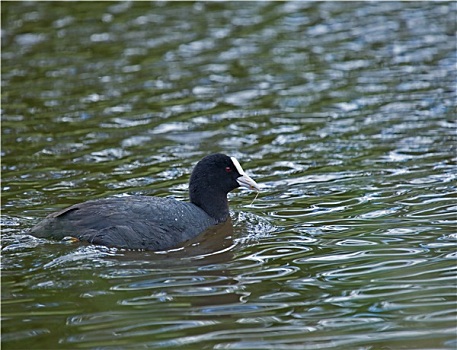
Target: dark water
<point x="344" y="112"/>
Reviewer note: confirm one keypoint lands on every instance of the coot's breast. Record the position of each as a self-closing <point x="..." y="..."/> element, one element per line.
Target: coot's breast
<point x="134" y="222"/>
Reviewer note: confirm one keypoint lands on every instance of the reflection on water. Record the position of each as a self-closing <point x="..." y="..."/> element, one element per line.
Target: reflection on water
<point x="343" y="112"/>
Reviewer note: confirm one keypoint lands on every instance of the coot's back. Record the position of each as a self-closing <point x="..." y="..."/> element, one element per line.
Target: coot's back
<point x="134" y="222"/>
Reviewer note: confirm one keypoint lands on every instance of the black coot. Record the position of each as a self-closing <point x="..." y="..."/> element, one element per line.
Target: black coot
<point x="153" y="223"/>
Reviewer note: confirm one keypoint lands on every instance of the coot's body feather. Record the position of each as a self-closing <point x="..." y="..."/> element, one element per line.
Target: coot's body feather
<point x="152" y="223"/>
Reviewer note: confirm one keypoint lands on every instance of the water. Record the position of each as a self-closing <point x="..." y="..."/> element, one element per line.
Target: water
<point x="343" y="112"/>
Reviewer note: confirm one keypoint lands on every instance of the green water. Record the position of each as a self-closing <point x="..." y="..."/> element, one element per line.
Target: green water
<point x="343" y="112"/>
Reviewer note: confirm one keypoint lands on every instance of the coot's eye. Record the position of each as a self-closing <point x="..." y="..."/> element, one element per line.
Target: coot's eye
<point x="228" y="169"/>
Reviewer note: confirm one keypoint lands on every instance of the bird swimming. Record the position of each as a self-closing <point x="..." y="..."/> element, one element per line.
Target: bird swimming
<point x="153" y="223"/>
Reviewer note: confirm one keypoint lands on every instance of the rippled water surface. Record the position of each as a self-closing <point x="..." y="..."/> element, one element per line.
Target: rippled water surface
<point x="344" y="113"/>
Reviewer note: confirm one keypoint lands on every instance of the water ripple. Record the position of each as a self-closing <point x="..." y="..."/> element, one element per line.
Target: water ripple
<point x="371" y="269"/>
<point x="351" y="241"/>
<point x="167" y="282"/>
<point x="271" y="273"/>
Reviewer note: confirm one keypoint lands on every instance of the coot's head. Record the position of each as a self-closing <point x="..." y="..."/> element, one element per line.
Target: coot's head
<point x="212" y="178"/>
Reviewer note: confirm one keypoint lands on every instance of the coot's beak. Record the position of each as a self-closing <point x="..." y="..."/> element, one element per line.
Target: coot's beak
<point x="244" y="180"/>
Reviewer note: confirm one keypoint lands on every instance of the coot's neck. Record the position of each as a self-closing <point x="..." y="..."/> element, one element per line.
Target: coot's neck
<point x="218" y="210"/>
<point x="214" y="203"/>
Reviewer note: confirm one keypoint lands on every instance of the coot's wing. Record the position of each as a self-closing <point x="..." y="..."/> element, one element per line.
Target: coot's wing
<point x="134" y="222"/>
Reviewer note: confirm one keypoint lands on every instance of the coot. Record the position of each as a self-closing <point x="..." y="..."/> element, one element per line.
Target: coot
<point x="153" y="223"/>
